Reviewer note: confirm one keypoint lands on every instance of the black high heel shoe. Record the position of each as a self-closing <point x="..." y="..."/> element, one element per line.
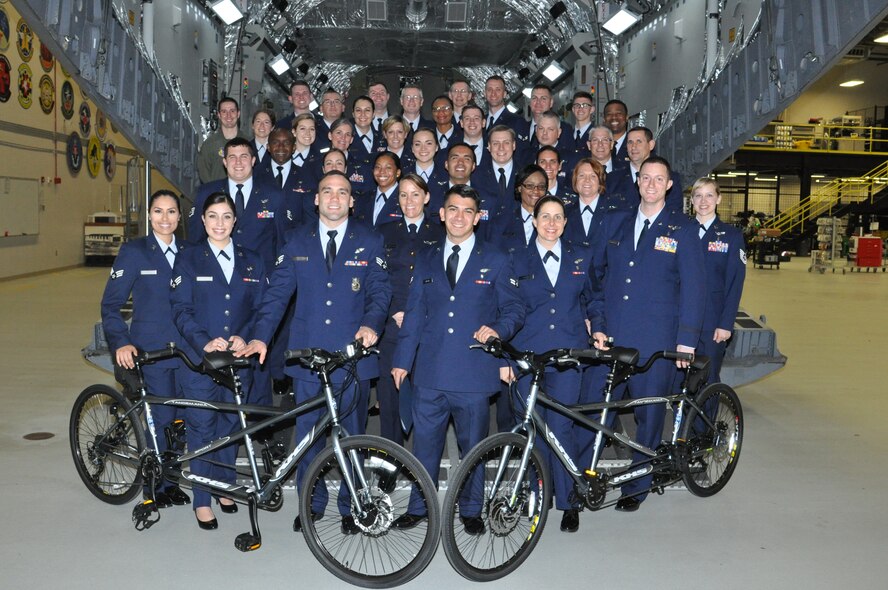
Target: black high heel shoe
<point x="207" y="525"/>
<point x="227" y="508"/>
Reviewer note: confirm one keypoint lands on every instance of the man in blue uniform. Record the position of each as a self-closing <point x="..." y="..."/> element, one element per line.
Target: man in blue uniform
<point x="337" y="270"/>
<point x="497" y="113"/>
<point x="640" y="144"/>
<point x="653" y="280"/>
<point x="463" y="291"/>
<point x="616" y="118"/>
<point x="301" y="98"/>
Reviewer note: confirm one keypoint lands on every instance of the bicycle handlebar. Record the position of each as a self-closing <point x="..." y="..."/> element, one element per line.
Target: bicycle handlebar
<point x="315" y="357"/>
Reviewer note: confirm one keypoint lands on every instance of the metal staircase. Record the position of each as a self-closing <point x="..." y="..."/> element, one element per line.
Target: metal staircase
<point x="830" y="199"/>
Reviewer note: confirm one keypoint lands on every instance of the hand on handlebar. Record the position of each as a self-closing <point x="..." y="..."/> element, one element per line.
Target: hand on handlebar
<point x="484" y="333"/>
<point x="125" y="356"/>
<point x="600" y="340"/>
<point x="680" y="363"/>
<point x="366" y="336"/>
<point x="254" y="346"/>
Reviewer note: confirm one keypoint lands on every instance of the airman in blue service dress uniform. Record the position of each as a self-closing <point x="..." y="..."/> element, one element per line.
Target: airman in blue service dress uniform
<point x="380" y="206"/>
<point x="650" y="298"/>
<point x="556" y="286"/>
<point x="217" y="287"/>
<point x="725" y="261"/>
<point x="143" y="268"/>
<point x="463" y="291"/>
<point x="403" y="241"/>
<point x="337" y="270"/>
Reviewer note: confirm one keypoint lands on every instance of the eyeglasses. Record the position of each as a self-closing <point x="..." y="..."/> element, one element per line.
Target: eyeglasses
<point x="600" y="140"/>
<point x="412" y="97"/>
<point x="582" y="105"/>
<point x="441" y="109"/>
<point x="332" y="102"/>
<point x="539" y="188"/>
<point x="461" y="91"/>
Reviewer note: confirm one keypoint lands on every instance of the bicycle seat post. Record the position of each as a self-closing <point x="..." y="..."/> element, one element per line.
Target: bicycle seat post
<point x="609" y="384"/>
<point x="242" y="416"/>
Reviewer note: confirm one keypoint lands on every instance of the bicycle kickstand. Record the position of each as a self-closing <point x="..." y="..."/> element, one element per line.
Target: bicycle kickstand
<point x="252" y="540"/>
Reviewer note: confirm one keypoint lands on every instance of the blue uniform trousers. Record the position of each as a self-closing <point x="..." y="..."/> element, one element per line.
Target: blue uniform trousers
<point x="204" y="426"/>
<point x="386" y="393"/>
<point x="562" y="386"/>
<point x="353" y="417"/>
<point x="162" y="382"/>
<point x="432" y="410"/>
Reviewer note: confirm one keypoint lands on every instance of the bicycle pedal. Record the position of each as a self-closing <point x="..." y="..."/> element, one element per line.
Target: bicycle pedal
<point x="145" y="515"/>
<point x="247" y="542"/>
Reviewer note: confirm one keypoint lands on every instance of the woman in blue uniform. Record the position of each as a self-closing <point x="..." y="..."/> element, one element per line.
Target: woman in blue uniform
<point x="143" y="269"/>
<point x="217" y="288"/>
<point x="554" y="282"/>
<point x="724" y="258"/>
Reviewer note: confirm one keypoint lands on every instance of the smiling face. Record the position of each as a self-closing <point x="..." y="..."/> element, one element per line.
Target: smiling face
<point x="412" y="200"/>
<point x="705" y="199"/>
<point x="472" y="123"/>
<point x="218" y="222"/>
<point x="385" y="173"/>
<point x="587" y="184"/>
<point x="600" y="144"/>
<point x="300" y="97"/>
<point x="638" y="147"/>
<point x="363" y="113"/>
<point x="305" y="135"/>
<point x="616" y="118"/>
<point x="262" y="127"/>
<point x="502" y="146"/>
<point x="341" y="137"/>
<point x="380" y="97"/>
<point x="442" y="112"/>
<point x="532" y="189"/>
<point x="582" y="109"/>
<point x="333" y="200"/>
<point x="411" y="102"/>
<point x="653" y="182"/>
<point x="239" y="162"/>
<point x="334" y="161"/>
<point x="460" y="94"/>
<point x="540" y="101"/>
<point x="332" y="106"/>
<point x="281" y="145"/>
<point x="494" y="93"/>
<point x="395" y="136"/>
<point x="460" y="215"/>
<point x="460" y="164"/>
<point x="228" y="115"/>
<point x="164" y="217"/>
<point x="548" y="130"/>
<point x="549" y="223"/>
<point x="548" y="161"/>
<point x="424" y="147"/>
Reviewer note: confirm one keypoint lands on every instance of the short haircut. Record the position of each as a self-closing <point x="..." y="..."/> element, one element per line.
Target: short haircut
<point x="548" y="148"/>
<point x="495" y="78"/>
<point x="363" y="97"/>
<point x="464" y="191"/>
<point x="526" y="173"/>
<point x="502" y="128"/>
<point x="411" y="87"/>
<point x="648" y="134"/>
<point x="387" y="154"/>
<point x="617" y="102"/>
<point x="331" y="91"/>
<point x="472" y="106"/>
<point x="466" y="82"/>
<point x="429" y="131"/>
<point x="547" y="199"/>
<point x="701" y="182"/>
<point x="395" y="120"/>
<point x="296" y="83"/>
<point x="583" y="94"/>
<point x="609" y="132"/>
<point x="371" y="83"/>
<point x="541" y="86"/>
<point x="303" y="117"/>
<point x="657" y="160"/>
<point x="597" y="168"/>
<point x="341" y="122"/>
<point x="238" y="142"/>
<point x="452" y="146"/>
<point x="215" y="198"/>
<point x="268" y="112"/>
<point x="550" y="114"/>
<point x="165" y="193"/>
<point x="335" y="173"/>
<point x="443" y="97"/>
<point x="415" y="179"/>
<point x="332" y="150"/>
<point x="225" y="99"/>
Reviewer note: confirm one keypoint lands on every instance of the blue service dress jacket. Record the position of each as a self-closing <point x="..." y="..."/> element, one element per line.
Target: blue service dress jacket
<point x="141" y="269"/>
<point x="206" y="306"/>
<point x="330" y="306"/>
<point x="439" y="321"/>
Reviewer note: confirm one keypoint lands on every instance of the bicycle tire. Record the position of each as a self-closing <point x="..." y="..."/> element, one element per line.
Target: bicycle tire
<point x="379" y="556"/>
<point x="712" y="456"/>
<point x="106" y="447"/>
<point x="509" y="536"/>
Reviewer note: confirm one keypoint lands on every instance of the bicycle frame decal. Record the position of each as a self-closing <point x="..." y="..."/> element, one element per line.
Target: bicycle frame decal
<point x="554" y="441"/>
<point x="631" y="475"/>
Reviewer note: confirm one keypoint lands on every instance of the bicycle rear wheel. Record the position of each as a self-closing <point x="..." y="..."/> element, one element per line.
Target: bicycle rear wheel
<point x="712" y="452"/>
<point x="377" y="555"/>
<point x="511" y="529"/>
<point x="106" y="446"/>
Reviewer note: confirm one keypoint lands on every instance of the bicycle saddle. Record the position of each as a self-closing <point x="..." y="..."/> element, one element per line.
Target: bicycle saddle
<point x="220" y="359"/>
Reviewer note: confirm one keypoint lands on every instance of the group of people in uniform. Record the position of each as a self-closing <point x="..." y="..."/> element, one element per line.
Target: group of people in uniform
<point x="422" y="236"/>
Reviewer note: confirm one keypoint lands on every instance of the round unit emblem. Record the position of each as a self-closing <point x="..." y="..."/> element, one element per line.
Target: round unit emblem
<point x="110" y="161"/>
<point x="25" y="40"/>
<point x="85" y="115"/>
<point x="5" y="79"/>
<point x="4" y="30"/>
<point x="46" y="58"/>
<point x="101" y="124"/>
<point x="67" y="106"/>
<point x="47" y="94"/>
<point x="25" y="86"/>
<point x="74" y="153"/>
<point x="93" y="156"/>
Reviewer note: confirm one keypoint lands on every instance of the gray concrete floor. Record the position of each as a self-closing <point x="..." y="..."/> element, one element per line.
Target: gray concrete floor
<point x="805" y="508"/>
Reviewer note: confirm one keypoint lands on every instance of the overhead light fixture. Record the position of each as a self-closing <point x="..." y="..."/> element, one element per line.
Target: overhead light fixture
<point x="280" y="4"/>
<point x="851" y="83"/>
<point x="512" y="108"/>
<point x="523" y="73"/>
<point x="553" y="71"/>
<point x="542" y="51"/>
<point x="313" y="105"/>
<point x="303" y="68"/>
<point x="622" y="20"/>
<point x="882" y="39"/>
<point x="323" y="79"/>
<point x="227" y="11"/>
<point x="289" y="46"/>
<point x="557" y="9"/>
<point x="527" y="91"/>
<point x="279" y="65"/>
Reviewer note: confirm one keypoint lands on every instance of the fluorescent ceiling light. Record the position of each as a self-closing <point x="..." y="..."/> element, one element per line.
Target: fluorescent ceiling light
<point x="313" y="105"/>
<point x="512" y="108"/>
<point x="279" y="65"/>
<point x="553" y="71"/>
<point x="622" y="20"/>
<point x="882" y="39"/>
<point x="526" y="92"/>
<point x="227" y="11"/>
<point x="851" y="83"/>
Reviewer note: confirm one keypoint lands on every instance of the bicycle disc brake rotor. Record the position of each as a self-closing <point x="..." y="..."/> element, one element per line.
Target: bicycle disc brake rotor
<point x="379" y="513"/>
<point x="503" y="519"/>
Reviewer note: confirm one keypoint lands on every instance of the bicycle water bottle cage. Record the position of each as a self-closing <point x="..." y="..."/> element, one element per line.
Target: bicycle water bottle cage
<point x="145" y="515"/>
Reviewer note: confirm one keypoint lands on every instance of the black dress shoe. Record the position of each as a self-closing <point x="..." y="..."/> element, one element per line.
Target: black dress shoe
<point x="570" y="522"/>
<point x="160" y="499"/>
<point x="628" y="504"/>
<point x="177" y="496"/>
<point x="408" y="521"/>
<point x="297" y="523"/>
<point x="473" y="525"/>
<point x="207" y="525"/>
<point x="349" y="526"/>
<point x="227" y="508"/>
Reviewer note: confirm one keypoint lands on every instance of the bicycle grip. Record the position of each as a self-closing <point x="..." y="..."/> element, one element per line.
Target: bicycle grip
<point x="585" y="353"/>
<point x="674" y="355"/>
<point x="297" y="353"/>
<point x="149" y="356"/>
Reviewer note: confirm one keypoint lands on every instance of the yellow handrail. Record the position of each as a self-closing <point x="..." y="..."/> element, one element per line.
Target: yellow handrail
<point x="825" y="198"/>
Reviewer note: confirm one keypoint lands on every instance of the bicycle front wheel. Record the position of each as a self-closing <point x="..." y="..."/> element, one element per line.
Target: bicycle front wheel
<point x="712" y="451"/>
<point x="356" y="538"/>
<point x="513" y="508"/>
<point x="106" y="444"/>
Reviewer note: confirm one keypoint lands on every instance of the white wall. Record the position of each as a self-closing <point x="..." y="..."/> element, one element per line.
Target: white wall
<point x="827" y="100"/>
